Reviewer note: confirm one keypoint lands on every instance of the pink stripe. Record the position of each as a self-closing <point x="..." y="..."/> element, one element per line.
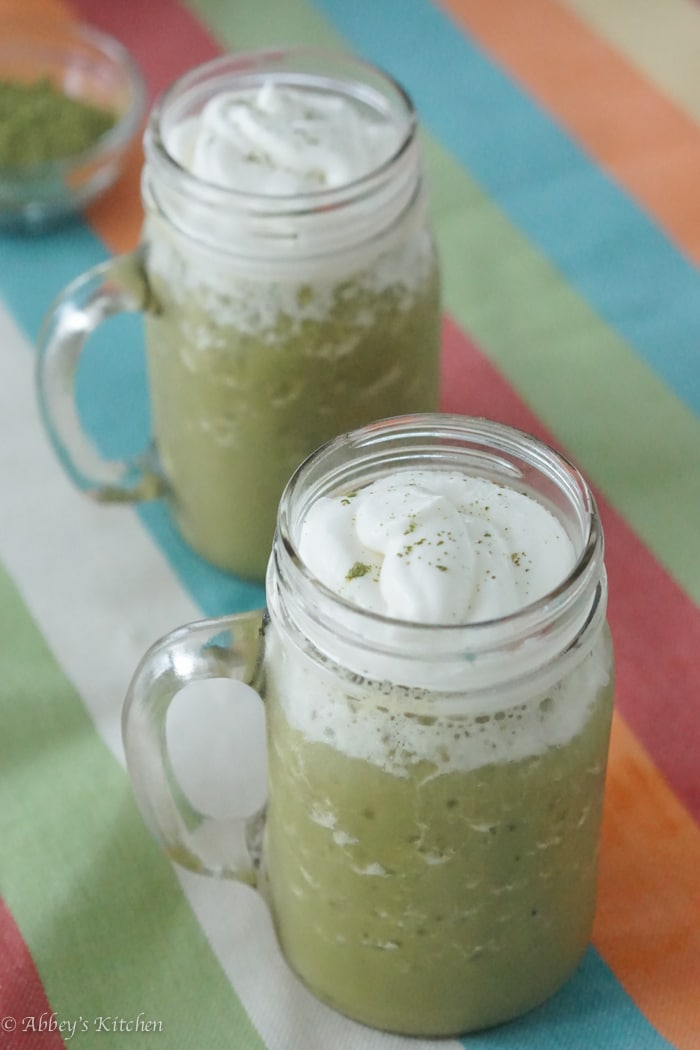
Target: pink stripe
<point x="164" y="38"/>
<point x="26" y="1016"/>
<point x="656" y="627"/>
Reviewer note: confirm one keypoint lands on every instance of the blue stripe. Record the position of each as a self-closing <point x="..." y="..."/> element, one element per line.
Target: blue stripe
<point x="635" y="279"/>
<point x="591" y="1012"/>
<point x="216" y="593"/>
<point x="111" y="392"/>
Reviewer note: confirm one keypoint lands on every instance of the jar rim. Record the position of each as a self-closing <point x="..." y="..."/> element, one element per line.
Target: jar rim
<point x="517" y="625"/>
<point x="254" y="65"/>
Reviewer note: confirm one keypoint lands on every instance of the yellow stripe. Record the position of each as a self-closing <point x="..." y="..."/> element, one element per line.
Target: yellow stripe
<point x="661" y="38"/>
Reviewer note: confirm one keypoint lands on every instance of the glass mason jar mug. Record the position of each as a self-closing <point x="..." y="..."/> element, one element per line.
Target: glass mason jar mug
<point x="289" y="285"/>
<point x="428" y="849"/>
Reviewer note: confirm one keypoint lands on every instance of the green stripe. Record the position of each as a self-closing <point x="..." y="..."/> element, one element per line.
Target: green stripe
<point x="74" y="847"/>
<point x="543" y="337"/>
<point x="263" y="25"/>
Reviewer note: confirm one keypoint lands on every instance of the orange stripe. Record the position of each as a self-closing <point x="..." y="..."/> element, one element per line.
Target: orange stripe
<point x="118" y="215"/>
<point x="648" y="919"/>
<point x="661" y="40"/>
<point x="19" y="9"/>
<point x="641" y="138"/>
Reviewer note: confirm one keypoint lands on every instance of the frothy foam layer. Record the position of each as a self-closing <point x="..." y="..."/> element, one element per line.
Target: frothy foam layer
<point x="272" y="299"/>
<point x="252" y="260"/>
<point x="280" y="140"/>
<point x="436" y="547"/>
<point x="393" y="728"/>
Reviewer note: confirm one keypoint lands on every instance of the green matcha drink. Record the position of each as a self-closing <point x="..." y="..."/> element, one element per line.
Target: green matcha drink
<point x="289" y="284"/>
<point x="294" y="285"/>
<point x="236" y="410"/>
<point x="437" y="676"/>
<point x="431" y="841"/>
<point x="430" y="901"/>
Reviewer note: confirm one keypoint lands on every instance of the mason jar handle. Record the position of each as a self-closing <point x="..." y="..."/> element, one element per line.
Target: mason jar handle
<point x="115" y="286"/>
<point x="227" y="647"/>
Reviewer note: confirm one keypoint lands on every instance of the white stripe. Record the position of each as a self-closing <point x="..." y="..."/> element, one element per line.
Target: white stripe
<point x="100" y="592"/>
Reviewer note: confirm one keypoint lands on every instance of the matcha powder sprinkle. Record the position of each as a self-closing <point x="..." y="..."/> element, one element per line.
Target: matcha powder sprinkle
<point x="359" y="569"/>
<point x="39" y="123"/>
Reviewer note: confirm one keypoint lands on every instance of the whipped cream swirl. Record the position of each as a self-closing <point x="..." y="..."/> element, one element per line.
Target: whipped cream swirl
<point x="436" y="547"/>
<point x="280" y="140"/>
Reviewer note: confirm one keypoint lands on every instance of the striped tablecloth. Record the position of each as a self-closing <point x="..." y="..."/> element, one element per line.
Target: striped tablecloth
<point x="563" y="147"/>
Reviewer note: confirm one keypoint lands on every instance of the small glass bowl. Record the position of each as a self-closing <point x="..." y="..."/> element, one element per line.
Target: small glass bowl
<point x="84" y="64"/>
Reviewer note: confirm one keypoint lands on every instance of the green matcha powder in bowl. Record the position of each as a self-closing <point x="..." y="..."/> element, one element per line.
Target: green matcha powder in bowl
<point x="71" y="102"/>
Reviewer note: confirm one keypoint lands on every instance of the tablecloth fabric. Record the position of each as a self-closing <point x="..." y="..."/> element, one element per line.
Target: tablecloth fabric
<point x="562" y="145"/>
